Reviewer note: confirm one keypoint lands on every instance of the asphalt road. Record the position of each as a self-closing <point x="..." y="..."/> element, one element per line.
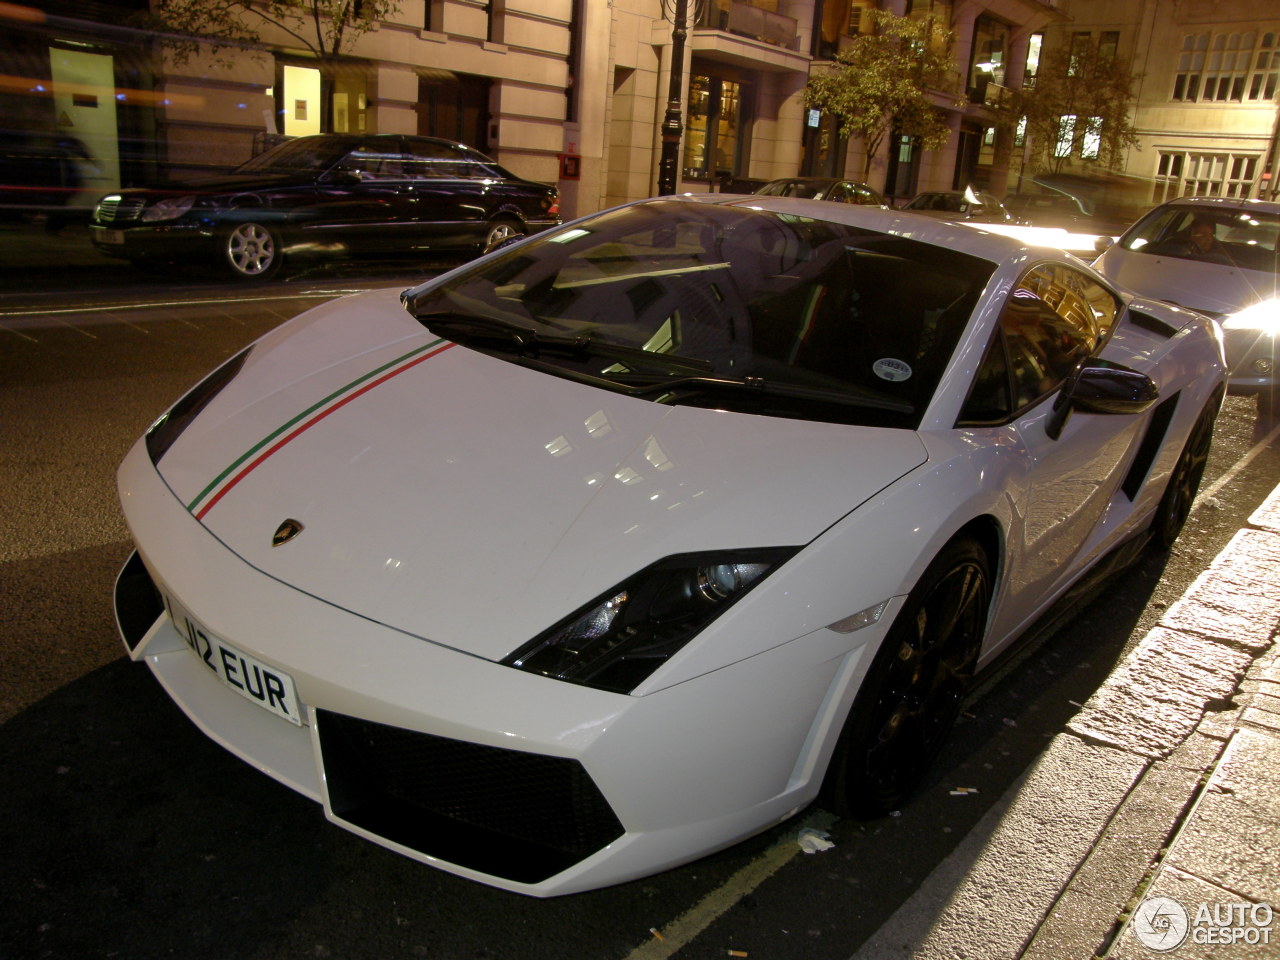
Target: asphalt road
<point x="128" y="834"/>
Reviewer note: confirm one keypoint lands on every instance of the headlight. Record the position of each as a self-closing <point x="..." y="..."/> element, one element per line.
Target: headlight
<point x="1263" y="316"/>
<point x="622" y="636"/>
<point x="167" y="429"/>
<point x="168" y="209"/>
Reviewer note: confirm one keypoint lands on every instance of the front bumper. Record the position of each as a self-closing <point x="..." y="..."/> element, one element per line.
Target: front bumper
<point x="164" y="241"/>
<point x="515" y="780"/>
<point x="1251" y="356"/>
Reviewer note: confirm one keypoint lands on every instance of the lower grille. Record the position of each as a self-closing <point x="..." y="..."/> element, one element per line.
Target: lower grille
<point x="520" y="816"/>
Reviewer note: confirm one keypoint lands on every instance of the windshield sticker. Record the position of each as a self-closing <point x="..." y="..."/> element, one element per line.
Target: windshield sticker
<point x="894" y="370"/>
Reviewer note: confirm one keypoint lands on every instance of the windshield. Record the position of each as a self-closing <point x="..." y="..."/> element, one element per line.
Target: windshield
<point x="1237" y="237"/>
<point x="315" y="154"/>
<point x="864" y="319"/>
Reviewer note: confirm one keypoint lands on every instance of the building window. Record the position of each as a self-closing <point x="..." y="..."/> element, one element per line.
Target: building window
<point x="1091" y="142"/>
<point x="1193" y="174"/>
<point x="1080" y="42"/>
<point x="989" y="57"/>
<point x="496" y="20"/>
<point x="716" y="126"/>
<point x="838" y="21"/>
<point x="1034" y="45"/>
<point x="454" y="107"/>
<point x="573" y="91"/>
<point x="1066" y="136"/>
<point x="1108" y="44"/>
<point x="301" y="91"/>
<point x="1227" y="68"/>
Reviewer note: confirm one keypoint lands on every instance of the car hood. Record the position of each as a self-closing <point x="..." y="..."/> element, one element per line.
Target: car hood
<point x="473" y="502"/>
<point x="1213" y="288"/>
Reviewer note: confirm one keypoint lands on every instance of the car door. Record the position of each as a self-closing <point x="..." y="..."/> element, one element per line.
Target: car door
<point x="363" y="201"/>
<point x="450" y="194"/>
<point x="1062" y="487"/>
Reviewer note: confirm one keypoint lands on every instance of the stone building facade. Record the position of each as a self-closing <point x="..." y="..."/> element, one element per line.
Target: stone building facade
<point x="574" y="92"/>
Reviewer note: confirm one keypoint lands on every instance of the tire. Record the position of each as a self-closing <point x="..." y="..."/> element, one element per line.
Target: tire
<point x="1269" y="403"/>
<point x="1184" y="481"/>
<point x="252" y="251"/>
<point x="499" y="231"/>
<point x="913" y="691"/>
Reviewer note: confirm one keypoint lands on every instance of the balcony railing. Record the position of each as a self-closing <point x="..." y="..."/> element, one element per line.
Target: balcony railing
<point x="744" y="20"/>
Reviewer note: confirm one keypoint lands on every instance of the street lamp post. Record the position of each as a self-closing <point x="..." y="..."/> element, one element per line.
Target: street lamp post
<point x="673" y="121"/>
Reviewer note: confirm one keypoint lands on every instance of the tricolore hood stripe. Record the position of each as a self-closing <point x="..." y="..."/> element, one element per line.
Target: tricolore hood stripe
<point x="249" y="461"/>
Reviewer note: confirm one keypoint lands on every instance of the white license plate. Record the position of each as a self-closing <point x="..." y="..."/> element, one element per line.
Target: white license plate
<point x="268" y="687"/>
<point x="111" y="236"/>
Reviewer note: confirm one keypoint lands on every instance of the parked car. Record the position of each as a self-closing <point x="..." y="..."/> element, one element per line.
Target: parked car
<point x="823" y="188"/>
<point x="634" y="537"/>
<point x="323" y="196"/>
<point x="45" y="175"/>
<point x="1217" y="256"/>
<point x="1057" y="220"/>
<point x="970" y="205"/>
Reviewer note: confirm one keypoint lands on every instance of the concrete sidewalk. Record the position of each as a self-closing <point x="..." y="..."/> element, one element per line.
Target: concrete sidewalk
<point x="1151" y="825"/>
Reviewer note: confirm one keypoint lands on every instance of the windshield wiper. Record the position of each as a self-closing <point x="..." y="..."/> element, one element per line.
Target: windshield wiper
<point x="528" y="342"/>
<point x="647" y="386"/>
<point x="475" y="327"/>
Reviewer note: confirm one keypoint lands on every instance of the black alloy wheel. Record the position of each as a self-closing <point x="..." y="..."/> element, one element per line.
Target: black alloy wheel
<point x="499" y="230"/>
<point x="913" y="691"/>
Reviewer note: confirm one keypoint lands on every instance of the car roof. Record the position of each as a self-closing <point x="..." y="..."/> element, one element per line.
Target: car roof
<point x="812" y="180"/>
<point x="1224" y="203"/>
<point x="965" y="238"/>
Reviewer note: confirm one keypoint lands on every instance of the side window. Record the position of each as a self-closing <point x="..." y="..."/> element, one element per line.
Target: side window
<point x="432" y="161"/>
<point x="1163" y="234"/>
<point x="1054" y="318"/>
<point x="375" y="160"/>
<point x="989" y="400"/>
<point x="841" y="193"/>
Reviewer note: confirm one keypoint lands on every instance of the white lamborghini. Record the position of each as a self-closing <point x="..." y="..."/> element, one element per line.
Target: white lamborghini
<point x="638" y="536"/>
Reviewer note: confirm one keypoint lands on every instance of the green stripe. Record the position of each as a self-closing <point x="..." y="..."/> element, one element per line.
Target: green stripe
<point x="302" y="416"/>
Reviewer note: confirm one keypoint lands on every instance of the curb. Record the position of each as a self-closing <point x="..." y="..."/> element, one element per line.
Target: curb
<point x="1166" y="783"/>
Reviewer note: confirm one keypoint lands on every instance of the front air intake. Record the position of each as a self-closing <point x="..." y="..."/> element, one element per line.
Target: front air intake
<point x="511" y="814"/>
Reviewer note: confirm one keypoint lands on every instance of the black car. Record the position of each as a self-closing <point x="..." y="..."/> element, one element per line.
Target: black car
<point x="970" y="205"/>
<point x="823" y="188"/>
<point x="44" y="174"/>
<point x="328" y="195"/>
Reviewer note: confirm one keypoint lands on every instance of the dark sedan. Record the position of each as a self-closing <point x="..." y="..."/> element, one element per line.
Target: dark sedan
<point x="329" y="195"/>
<point x="823" y="188"/>
<point x="968" y="205"/>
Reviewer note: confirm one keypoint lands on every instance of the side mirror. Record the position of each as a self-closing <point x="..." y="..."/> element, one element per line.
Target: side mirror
<point x="1099" y="386"/>
<point x="1103" y="244"/>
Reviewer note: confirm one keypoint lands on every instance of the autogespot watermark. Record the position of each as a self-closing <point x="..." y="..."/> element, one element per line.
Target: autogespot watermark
<point x="1163" y="924"/>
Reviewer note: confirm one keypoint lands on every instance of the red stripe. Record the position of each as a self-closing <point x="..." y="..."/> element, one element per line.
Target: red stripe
<point x="253" y="464"/>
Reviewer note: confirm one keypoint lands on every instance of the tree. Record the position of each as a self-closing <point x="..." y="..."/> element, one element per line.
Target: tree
<point x="325" y="28"/>
<point x="1079" y="107"/>
<point x="893" y="79"/>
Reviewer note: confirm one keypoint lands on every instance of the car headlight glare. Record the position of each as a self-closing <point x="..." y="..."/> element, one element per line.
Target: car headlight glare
<point x="170" y="208"/>
<point x="1263" y="316"/>
<point x="621" y="637"/>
